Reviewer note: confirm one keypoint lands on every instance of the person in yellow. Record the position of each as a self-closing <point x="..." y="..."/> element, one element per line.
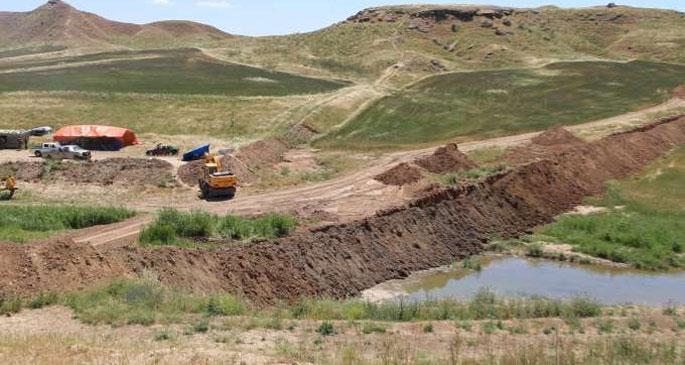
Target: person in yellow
<point x="10" y="185"/>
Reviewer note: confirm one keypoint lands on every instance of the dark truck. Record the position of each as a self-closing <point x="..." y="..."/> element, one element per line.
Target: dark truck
<point x="14" y="139"/>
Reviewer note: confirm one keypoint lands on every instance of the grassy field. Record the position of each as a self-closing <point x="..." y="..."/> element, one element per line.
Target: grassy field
<point x="171" y="115"/>
<point x="645" y="223"/>
<point x="493" y="103"/>
<point x="176" y="228"/>
<point x="20" y="224"/>
<point x="183" y="71"/>
<point x="29" y="51"/>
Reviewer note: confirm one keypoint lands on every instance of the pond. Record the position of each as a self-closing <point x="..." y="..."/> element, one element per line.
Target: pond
<point x="513" y="276"/>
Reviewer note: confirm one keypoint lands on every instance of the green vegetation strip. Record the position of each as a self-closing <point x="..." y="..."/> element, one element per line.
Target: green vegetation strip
<point x="181" y="229"/>
<point x="20" y="224"/>
<point x="183" y="71"/>
<point x="147" y="302"/>
<point x="645" y="222"/>
<point x="493" y="103"/>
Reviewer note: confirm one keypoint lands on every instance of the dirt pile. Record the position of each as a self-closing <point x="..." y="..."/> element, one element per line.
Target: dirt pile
<point x="556" y="136"/>
<point x="446" y="159"/>
<point x="402" y="174"/>
<point x="244" y="163"/>
<point x="342" y="260"/>
<point x="123" y="171"/>
<point x="679" y="92"/>
<point x="545" y="145"/>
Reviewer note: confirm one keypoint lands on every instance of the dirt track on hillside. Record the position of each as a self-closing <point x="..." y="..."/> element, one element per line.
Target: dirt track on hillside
<point x="342" y="260"/>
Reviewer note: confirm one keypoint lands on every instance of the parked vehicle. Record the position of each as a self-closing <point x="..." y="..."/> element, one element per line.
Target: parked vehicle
<point x="40" y="131"/>
<point x="57" y="151"/>
<point x="14" y="139"/>
<point x="162" y="150"/>
<point x="196" y="153"/>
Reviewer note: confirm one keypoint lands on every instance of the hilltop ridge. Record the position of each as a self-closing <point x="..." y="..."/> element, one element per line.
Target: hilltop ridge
<point x="57" y="22"/>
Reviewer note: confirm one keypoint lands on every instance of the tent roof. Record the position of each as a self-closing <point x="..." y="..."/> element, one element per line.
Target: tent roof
<point x="96" y="131"/>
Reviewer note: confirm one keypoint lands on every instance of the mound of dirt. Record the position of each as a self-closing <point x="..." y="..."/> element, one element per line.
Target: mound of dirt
<point x="679" y="92"/>
<point x="544" y="146"/>
<point x="124" y="171"/>
<point x="402" y="174"/>
<point x="191" y="172"/>
<point x="299" y="134"/>
<point x="342" y="260"/>
<point x="556" y="136"/>
<point x="446" y="159"/>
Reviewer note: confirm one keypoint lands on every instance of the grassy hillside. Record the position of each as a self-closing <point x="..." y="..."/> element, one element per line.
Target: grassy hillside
<point x="492" y="103"/>
<point x="367" y="45"/>
<point x="183" y="71"/>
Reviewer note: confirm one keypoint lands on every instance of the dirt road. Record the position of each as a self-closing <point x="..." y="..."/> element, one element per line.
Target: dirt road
<point x="352" y="196"/>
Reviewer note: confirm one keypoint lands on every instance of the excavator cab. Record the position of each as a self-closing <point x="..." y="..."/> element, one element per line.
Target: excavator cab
<point x="10" y="186"/>
<point x="216" y="183"/>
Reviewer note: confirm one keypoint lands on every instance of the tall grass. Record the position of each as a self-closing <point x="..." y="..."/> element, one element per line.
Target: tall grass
<point x="176" y="228"/>
<point x="485" y="305"/>
<point x="21" y="223"/>
<point x="146" y="301"/>
<point x="644" y="225"/>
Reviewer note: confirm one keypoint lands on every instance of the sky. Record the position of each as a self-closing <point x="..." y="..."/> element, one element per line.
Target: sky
<point x="271" y="17"/>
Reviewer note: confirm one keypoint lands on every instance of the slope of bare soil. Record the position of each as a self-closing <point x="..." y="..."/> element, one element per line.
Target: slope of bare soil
<point x="402" y="174"/>
<point x="549" y="143"/>
<point x="341" y="260"/>
<point x="125" y="171"/>
<point x="446" y="159"/>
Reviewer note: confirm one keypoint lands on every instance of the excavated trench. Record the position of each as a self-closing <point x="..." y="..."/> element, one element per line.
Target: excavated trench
<point x="342" y="260"/>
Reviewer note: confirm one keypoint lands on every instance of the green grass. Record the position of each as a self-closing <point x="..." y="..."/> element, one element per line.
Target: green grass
<point x="145" y="301"/>
<point x="183" y="71"/>
<point x="236" y="118"/>
<point x="30" y="51"/>
<point x="645" y="223"/>
<point x="493" y="103"/>
<point x="176" y="228"/>
<point x="20" y="224"/>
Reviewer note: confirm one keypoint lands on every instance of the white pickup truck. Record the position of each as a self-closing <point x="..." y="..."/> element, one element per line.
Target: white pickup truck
<point x="57" y="151"/>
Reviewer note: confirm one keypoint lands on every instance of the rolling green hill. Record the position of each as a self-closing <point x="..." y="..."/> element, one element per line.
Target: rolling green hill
<point x="181" y="71"/>
<point x="492" y="103"/>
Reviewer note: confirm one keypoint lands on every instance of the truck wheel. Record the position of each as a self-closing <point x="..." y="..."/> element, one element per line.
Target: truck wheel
<point x="38" y="154"/>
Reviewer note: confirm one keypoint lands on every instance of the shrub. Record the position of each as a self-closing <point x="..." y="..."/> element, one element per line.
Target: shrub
<point x="326" y="329"/>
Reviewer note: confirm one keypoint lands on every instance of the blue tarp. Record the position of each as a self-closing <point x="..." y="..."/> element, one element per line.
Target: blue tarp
<point x="196" y="153"/>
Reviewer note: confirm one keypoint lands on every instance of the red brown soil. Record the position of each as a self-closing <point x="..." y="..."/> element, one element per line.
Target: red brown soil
<point x="342" y="260"/>
<point x="244" y="163"/>
<point x="446" y="159"/>
<point x="545" y="145"/>
<point x="679" y="92"/>
<point x="124" y="171"/>
<point x="58" y="22"/>
<point x="402" y="174"/>
<point x="556" y="136"/>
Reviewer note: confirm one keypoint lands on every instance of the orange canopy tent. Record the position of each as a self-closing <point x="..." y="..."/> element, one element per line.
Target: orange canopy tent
<point x="90" y="135"/>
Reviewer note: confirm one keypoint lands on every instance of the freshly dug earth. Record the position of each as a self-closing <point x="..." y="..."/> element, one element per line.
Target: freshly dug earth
<point x="446" y="159"/>
<point x="125" y="171"/>
<point x="545" y="145"/>
<point x="402" y="174"/>
<point x="342" y="260"/>
<point x="556" y="136"/>
<point x="244" y="163"/>
<point x="679" y="92"/>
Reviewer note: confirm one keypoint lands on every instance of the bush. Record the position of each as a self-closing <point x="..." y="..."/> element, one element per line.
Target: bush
<point x="326" y="329"/>
<point x="172" y="226"/>
<point x="19" y="223"/>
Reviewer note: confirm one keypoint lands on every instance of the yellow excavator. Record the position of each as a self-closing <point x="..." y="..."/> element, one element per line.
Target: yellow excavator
<point x="216" y="183"/>
<point x="10" y="186"/>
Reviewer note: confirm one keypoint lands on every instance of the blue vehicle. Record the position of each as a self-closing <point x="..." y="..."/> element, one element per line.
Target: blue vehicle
<point x="196" y="153"/>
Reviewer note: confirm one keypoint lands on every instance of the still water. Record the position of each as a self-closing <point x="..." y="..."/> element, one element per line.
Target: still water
<point x="514" y="276"/>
